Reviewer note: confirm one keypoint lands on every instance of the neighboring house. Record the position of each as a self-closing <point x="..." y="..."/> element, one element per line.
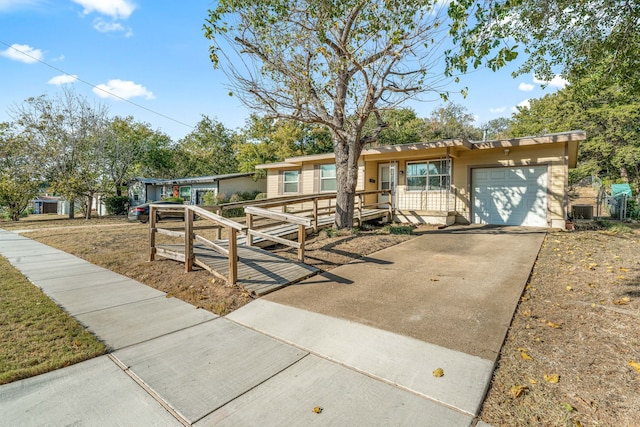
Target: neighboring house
<point x="45" y="204"/>
<point x="520" y="181"/>
<point x="192" y="190"/>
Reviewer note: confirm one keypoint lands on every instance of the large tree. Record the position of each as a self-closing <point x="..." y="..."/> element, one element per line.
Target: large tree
<point x="610" y="118"/>
<point x="265" y="140"/>
<point x="125" y="145"/>
<point x="579" y="39"/>
<point x="451" y="121"/>
<point x="20" y="170"/>
<point x="331" y="63"/>
<point x="69" y="130"/>
<point x="207" y="150"/>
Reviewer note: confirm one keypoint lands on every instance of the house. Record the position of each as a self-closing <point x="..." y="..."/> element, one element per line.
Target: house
<point x="192" y="190"/>
<point x="521" y="181"/>
<point x="45" y="204"/>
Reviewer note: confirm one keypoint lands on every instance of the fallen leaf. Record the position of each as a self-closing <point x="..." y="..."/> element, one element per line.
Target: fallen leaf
<point x="635" y="365"/>
<point x="569" y="288"/>
<point x="552" y="378"/>
<point x="317" y="409"/>
<point x="438" y="373"/>
<point x="622" y="301"/>
<point x="567" y="407"/>
<point x="532" y="381"/>
<point x="526" y="356"/>
<point x="592" y="266"/>
<point x="435" y="280"/>
<point x="624" y="269"/>
<point x="621" y="278"/>
<point x="518" y="390"/>
<point x="577" y="423"/>
<point x="554" y="325"/>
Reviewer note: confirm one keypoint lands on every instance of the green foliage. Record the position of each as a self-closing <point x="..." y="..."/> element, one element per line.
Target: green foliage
<point x="610" y="117"/>
<point x="451" y="121"/>
<point x="207" y="150"/>
<point x="174" y="199"/>
<point x="209" y="198"/>
<point x="116" y="205"/>
<point x="20" y="174"/>
<point x="581" y="38"/>
<point x="264" y="140"/>
<point x="402" y="126"/>
<point x="398" y="229"/>
<point x="260" y="196"/>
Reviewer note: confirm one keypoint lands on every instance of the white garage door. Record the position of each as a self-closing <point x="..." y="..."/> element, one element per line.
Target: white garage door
<point x="510" y="196"/>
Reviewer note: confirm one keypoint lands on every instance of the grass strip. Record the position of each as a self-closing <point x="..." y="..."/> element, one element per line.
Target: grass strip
<point x="37" y="336"/>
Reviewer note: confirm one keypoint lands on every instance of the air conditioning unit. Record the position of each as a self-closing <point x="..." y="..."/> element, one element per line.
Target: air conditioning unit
<point x="582" y="212"/>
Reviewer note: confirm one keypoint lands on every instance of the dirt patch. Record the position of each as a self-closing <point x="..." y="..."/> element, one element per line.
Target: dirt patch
<point x="566" y="358"/>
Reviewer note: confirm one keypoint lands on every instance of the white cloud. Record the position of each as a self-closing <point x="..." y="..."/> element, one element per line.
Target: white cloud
<point x="62" y="79"/>
<point x="107" y="27"/>
<point x="122" y="89"/>
<point x="497" y="110"/>
<point x="117" y="9"/>
<point x="557" y="81"/>
<point x="526" y="87"/>
<point x="526" y="104"/>
<point x="23" y="53"/>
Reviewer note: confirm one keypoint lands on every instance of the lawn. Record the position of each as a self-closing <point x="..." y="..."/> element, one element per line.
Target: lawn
<point x="36" y="335"/>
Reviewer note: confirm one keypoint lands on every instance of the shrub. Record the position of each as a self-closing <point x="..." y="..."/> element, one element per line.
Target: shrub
<point x="116" y="205"/>
<point x="209" y="198"/>
<point x="260" y="196"/>
<point x="174" y="199"/>
<point x="399" y="229"/>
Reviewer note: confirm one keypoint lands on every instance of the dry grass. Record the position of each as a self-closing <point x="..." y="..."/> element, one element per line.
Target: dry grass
<point x="578" y="319"/>
<point x="36" y="335"/>
<point x="123" y="249"/>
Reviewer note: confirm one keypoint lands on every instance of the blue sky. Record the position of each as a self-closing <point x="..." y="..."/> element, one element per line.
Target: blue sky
<point x="154" y="54"/>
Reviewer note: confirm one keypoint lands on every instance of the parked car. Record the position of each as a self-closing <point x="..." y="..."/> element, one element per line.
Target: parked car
<point x="141" y="213"/>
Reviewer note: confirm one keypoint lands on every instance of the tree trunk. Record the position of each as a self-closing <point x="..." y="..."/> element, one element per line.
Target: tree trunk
<point x="72" y="208"/>
<point x="118" y="190"/>
<point x="89" y="204"/>
<point x="346" y="181"/>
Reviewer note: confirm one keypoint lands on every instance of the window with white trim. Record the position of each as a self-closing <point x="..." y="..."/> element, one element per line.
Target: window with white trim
<point x="428" y="175"/>
<point x="290" y="181"/>
<point x="328" y="177"/>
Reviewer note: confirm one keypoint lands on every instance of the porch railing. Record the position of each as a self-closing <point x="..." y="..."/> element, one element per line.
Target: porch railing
<point x="189" y="236"/>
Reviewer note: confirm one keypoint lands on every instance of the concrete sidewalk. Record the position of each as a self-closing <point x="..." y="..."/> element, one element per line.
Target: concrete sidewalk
<point x="268" y="363"/>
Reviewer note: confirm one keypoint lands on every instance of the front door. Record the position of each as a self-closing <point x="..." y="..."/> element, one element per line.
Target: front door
<point x="387" y="180"/>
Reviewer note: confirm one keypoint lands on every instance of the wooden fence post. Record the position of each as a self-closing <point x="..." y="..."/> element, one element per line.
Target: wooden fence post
<point x="302" y="234"/>
<point x="188" y="239"/>
<point x="249" y="221"/>
<point x="233" y="255"/>
<point x="315" y="215"/>
<point x="152" y="233"/>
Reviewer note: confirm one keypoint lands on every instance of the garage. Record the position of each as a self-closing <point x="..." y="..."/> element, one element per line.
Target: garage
<point x="510" y="196"/>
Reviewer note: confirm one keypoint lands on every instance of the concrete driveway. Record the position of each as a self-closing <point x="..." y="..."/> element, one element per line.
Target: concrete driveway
<point x="457" y="288"/>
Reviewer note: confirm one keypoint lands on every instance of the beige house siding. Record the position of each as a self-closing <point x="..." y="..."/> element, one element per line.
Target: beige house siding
<point x="556" y="152"/>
